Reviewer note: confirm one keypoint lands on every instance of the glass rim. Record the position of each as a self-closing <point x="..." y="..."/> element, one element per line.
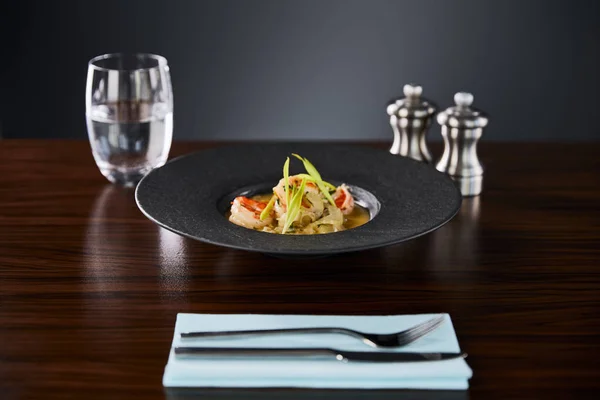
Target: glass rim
<point x="162" y="61"/>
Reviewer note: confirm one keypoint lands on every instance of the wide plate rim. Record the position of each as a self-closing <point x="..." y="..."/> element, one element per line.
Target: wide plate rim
<point x="343" y="248"/>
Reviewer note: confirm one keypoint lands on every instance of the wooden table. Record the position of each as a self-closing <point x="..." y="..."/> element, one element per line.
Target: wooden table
<point x="89" y="288"/>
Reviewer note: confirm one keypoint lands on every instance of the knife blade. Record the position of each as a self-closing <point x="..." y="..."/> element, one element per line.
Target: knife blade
<point x="312" y="354"/>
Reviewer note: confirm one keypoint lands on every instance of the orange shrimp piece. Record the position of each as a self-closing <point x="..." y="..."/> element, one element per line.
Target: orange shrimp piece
<point x="339" y="201"/>
<point x="343" y="199"/>
<point x="251" y="205"/>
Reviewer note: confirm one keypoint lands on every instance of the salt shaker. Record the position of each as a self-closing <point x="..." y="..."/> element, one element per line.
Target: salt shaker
<point x="410" y="118"/>
<point x="462" y="126"/>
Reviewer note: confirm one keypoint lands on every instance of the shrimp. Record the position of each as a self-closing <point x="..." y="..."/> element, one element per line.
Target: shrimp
<point x="312" y="202"/>
<point x="343" y="199"/>
<point x="296" y="181"/>
<point x="246" y="212"/>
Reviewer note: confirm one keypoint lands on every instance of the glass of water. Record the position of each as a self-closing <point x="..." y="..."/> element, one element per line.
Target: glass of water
<point x="129" y="113"/>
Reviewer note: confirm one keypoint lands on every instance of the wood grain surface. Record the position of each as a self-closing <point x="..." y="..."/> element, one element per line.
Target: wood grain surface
<point x="89" y="288"/>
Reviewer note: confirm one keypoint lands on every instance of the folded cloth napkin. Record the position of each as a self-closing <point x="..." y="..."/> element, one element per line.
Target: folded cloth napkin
<point x="252" y="373"/>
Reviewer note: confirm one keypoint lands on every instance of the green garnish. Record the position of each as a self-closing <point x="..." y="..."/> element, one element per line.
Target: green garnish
<point x="311" y="179"/>
<point x="312" y="171"/>
<point x="294" y="206"/>
<point x="265" y="213"/>
<point x="286" y="177"/>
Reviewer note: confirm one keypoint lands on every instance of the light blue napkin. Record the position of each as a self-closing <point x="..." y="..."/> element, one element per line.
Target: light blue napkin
<point x="196" y="372"/>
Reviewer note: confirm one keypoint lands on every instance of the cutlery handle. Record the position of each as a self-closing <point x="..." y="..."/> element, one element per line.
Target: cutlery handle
<point x="232" y="352"/>
<point x="260" y="353"/>
<point x="257" y="332"/>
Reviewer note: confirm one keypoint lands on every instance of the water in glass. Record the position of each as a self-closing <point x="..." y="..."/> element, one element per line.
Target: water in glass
<point x="127" y="149"/>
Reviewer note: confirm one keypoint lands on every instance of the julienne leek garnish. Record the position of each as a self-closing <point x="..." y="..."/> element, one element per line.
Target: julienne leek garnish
<point x="265" y="213"/>
<point x="312" y="171"/>
<point x="294" y="205"/>
<point x="295" y="194"/>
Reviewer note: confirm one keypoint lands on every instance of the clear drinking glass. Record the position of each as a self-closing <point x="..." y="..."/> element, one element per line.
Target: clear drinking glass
<point x="129" y="113"/>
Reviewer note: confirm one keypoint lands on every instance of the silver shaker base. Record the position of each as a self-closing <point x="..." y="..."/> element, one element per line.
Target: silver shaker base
<point x="469" y="185"/>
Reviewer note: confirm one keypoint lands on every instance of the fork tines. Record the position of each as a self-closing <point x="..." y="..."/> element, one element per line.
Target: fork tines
<point x="423" y="329"/>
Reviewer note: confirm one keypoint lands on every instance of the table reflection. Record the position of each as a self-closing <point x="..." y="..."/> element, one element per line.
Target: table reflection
<point x="457" y="241"/>
<point x="173" y="262"/>
<point x="113" y="236"/>
<point x="103" y="239"/>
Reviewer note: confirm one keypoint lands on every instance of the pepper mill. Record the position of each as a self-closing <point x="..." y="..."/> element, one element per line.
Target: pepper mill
<point x="410" y="118"/>
<point x="462" y="126"/>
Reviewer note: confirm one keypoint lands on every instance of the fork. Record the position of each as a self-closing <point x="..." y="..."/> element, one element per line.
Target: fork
<point x="396" y="339"/>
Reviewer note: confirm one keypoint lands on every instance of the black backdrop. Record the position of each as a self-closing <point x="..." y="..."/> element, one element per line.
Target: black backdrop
<point x="308" y="69"/>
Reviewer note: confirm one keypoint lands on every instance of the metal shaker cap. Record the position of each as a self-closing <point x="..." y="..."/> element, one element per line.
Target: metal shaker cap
<point x="413" y="106"/>
<point x="463" y="115"/>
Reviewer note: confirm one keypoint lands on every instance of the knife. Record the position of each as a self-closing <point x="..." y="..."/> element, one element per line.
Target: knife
<point x="313" y="354"/>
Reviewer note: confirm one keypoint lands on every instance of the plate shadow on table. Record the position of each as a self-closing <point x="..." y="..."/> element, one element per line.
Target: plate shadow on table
<point x="305" y="394"/>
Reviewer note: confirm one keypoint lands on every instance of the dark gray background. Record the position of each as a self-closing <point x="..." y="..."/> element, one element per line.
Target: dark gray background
<point x="308" y="69"/>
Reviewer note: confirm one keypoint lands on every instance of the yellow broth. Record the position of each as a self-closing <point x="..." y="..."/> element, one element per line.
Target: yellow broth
<point x="359" y="216"/>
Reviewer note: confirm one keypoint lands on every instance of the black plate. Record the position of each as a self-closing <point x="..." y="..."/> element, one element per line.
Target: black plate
<point x="189" y="195"/>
